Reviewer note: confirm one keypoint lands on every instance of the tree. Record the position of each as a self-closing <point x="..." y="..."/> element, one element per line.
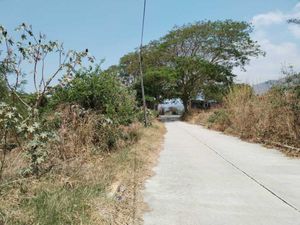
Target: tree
<point x="202" y="55"/>
<point x="33" y="50"/>
<point x="227" y="43"/>
<point x="196" y="76"/>
<point x="129" y="64"/>
<point x="159" y="85"/>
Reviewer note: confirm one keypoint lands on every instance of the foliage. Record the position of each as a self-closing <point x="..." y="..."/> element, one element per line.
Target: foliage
<point x="227" y="43"/>
<point x="10" y="121"/>
<point x="85" y="189"/>
<point x="194" y="76"/>
<point x="159" y="85"/>
<point x="129" y="64"/>
<point x="199" y="57"/>
<point x="56" y="133"/>
<point x="291" y="81"/>
<point x="31" y="50"/>
<point x="16" y="129"/>
<point x="221" y="118"/>
<point x="37" y="146"/>
<point x="151" y="115"/>
<point x="100" y="91"/>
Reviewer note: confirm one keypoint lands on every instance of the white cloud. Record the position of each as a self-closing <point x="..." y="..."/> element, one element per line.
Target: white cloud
<point x="297" y="6"/>
<point x="269" y="67"/>
<point x="268" y="19"/>
<point x="277" y="17"/>
<point x="295" y="30"/>
<point x="279" y="53"/>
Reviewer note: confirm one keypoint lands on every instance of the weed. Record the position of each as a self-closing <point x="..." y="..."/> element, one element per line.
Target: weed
<point x="64" y="206"/>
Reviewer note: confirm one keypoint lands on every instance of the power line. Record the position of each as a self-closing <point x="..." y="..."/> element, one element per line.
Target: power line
<point x="141" y="65"/>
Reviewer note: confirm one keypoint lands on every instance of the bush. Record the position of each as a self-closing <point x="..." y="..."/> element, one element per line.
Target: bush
<point x="151" y="115"/>
<point x="83" y="132"/>
<point x="99" y="91"/>
<point x="219" y="119"/>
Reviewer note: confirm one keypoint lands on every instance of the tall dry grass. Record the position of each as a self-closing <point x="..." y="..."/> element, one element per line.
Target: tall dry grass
<point x="239" y="105"/>
<point x="273" y="118"/>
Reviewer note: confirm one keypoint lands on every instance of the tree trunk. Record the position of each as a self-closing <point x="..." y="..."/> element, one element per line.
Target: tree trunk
<point x="186" y="105"/>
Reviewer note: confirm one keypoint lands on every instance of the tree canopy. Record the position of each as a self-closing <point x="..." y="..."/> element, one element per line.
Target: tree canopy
<point x="199" y="57"/>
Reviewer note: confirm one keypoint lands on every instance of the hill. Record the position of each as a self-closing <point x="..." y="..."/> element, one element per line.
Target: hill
<point x="263" y="87"/>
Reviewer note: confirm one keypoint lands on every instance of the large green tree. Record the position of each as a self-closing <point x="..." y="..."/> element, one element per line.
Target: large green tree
<point x="227" y="43"/>
<point x="202" y="56"/>
<point x="159" y="85"/>
<point x="196" y="76"/>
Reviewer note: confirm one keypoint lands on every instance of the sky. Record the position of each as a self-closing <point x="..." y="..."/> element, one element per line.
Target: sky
<point x="111" y="28"/>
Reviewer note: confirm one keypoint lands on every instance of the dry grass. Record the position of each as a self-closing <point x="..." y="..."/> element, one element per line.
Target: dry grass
<point x="199" y="116"/>
<point x="134" y="167"/>
<point x="98" y="188"/>
<point x="272" y="119"/>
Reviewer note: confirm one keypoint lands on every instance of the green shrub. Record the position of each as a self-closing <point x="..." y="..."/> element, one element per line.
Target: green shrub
<point x="99" y="91"/>
<point x="219" y="119"/>
<point x="151" y="115"/>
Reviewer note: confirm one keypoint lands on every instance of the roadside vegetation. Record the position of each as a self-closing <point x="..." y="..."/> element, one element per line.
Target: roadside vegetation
<point x="72" y="151"/>
<point x="90" y="188"/>
<point x="272" y="118"/>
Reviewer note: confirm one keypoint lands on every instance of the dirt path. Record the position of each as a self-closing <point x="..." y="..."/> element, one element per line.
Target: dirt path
<point x="206" y="178"/>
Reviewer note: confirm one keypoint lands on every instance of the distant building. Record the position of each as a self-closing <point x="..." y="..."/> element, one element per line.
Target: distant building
<point x="170" y="106"/>
<point x="175" y="106"/>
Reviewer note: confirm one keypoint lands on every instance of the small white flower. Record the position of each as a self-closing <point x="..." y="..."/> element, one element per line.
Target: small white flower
<point x="31" y="129"/>
<point x="9" y="115"/>
<point x="36" y="125"/>
<point x="44" y="135"/>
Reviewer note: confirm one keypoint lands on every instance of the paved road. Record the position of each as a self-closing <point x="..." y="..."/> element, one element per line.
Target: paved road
<point x="206" y="178"/>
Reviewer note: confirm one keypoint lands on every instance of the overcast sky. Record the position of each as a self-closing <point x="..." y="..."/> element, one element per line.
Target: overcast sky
<point x="111" y="28"/>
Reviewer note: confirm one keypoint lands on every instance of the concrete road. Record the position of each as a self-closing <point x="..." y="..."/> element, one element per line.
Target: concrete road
<point x="206" y="178"/>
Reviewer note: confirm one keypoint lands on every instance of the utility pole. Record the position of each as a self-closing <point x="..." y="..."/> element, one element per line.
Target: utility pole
<point x="141" y="67"/>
